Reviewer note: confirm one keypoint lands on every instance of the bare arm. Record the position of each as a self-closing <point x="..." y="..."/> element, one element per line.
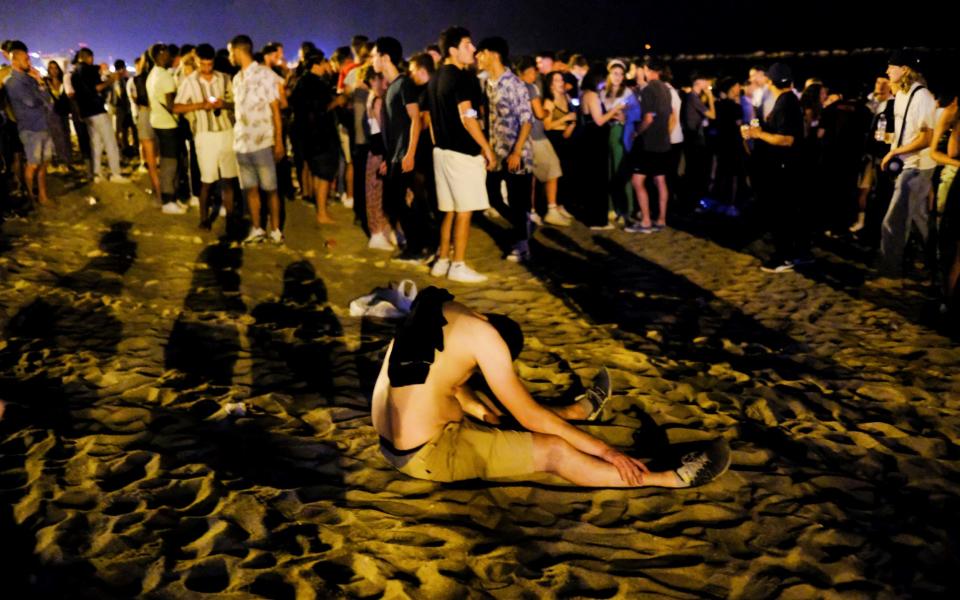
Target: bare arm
<point x="537" y="106"/>
<point x="946" y="119"/>
<point x="413" y="111"/>
<point x="472" y="125"/>
<point x="278" y="149"/>
<point x="774" y="139"/>
<point x="711" y="106"/>
<point x="592" y="101"/>
<point x="497" y="368"/>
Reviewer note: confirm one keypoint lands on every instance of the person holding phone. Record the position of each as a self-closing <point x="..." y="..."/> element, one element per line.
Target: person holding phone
<point x="208" y="94"/>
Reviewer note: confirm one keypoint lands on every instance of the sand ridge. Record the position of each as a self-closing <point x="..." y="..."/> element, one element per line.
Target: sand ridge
<point x="128" y="335"/>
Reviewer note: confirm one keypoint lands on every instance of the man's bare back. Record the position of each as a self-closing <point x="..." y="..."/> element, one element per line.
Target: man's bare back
<point x="409" y="416"/>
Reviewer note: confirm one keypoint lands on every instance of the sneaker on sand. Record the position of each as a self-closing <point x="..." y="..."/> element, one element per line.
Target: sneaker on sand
<point x="563" y="211"/>
<point x="598" y="394"/>
<point x="255" y="236"/>
<point x="414" y="257"/>
<point x="276" y="236"/>
<point x="637" y="228"/>
<point x="172" y="208"/>
<point x="223" y="211"/>
<point x="347" y="201"/>
<point x="119" y="179"/>
<point x="378" y="241"/>
<point x="98" y="179"/>
<point x="535" y="218"/>
<point x="194" y="202"/>
<point x="606" y="227"/>
<point x="556" y="218"/>
<point x="702" y="467"/>
<point x="777" y="267"/>
<point x="459" y="271"/>
<point x="440" y="268"/>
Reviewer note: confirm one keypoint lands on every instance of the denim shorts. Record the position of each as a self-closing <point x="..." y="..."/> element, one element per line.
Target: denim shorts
<point x="258" y="169"/>
<point x="37" y="146"/>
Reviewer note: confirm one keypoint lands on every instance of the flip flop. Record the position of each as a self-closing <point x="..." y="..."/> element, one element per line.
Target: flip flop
<point x="703" y="467"/>
<point x="598" y="393"/>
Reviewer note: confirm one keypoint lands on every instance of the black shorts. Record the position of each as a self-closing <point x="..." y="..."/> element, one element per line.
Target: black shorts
<point x="324" y="166"/>
<point x="650" y="163"/>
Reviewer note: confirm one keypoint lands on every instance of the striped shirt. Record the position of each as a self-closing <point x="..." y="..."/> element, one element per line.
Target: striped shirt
<point x="195" y="89"/>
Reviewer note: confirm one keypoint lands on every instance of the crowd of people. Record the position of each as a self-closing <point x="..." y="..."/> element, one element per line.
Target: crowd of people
<point x="415" y="144"/>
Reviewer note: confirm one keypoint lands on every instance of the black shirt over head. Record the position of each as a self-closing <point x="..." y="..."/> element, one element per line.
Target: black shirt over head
<point x="655" y="98"/>
<point x="396" y="120"/>
<point x="85" y="81"/>
<point x="449" y="87"/>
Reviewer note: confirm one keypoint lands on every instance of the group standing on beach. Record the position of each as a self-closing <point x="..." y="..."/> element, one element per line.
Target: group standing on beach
<point x="415" y="146"/>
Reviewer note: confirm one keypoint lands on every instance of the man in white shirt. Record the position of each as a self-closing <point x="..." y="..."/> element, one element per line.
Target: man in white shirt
<point x="913" y="109"/>
<point x="257" y="136"/>
<point x="161" y="90"/>
<point x="208" y="94"/>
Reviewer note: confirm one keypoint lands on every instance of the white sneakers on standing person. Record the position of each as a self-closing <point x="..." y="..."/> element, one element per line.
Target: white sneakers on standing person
<point x="460" y="272"/>
<point x="379" y="241"/>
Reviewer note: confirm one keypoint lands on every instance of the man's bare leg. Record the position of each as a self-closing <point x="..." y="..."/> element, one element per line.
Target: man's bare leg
<point x="28" y="172"/>
<point x="321" y="188"/>
<point x="640" y="188"/>
<point x="253" y="205"/>
<point x="552" y="454"/>
<point x="461" y="233"/>
<point x="664" y="197"/>
<point x="446" y="233"/>
<point x="274" y="198"/>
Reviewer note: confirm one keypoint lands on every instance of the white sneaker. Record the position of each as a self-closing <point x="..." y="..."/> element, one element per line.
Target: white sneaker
<point x="392" y="238"/>
<point x="459" y="271"/>
<point x="255" y="236"/>
<point x="172" y="208"/>
<point x="378" y="241"/>
<point x="563" y="211"/>
<point x="142" y="169"/>
<point x="276" y="236"/>
<point x="223" y="212"/>
<point x="535" y="218"/>
<point x="98" y="178"/>
<point x="119" y="179"/>
<point x="194" y="202"/>
<point x="555" y="217"/>
<point x="440" y="268"/>
<point x="347" y="201"/>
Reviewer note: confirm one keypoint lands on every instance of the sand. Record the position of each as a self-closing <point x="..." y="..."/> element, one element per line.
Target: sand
<point x="187" y="417"/>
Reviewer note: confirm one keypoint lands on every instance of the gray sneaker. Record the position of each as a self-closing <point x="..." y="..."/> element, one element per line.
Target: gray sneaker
<point x="702" y="467"/>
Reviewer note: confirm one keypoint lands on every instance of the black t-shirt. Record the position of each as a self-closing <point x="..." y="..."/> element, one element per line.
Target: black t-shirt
<point x="655" y="98"/>
<point x="786" y="118"/>
<point x="85" y="81"/>
<point x="313" y="123"/>
<point x="729" y="119"/>
<point x="449" y="87"/>
<point x="396" y="120"/>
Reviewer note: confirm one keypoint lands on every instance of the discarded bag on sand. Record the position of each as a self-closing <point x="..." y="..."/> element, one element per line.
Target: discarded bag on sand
<point x="391" y="302"/>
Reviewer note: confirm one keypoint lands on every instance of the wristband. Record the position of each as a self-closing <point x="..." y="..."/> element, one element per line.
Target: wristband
<point x="470" y="113"/>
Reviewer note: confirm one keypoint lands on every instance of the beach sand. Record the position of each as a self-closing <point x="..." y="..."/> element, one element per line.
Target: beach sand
<point x="186" y="416"/>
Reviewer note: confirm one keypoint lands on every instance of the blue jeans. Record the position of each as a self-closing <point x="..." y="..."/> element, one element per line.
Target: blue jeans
<point x="908" y="206"/>
<point x="103" y="138"/>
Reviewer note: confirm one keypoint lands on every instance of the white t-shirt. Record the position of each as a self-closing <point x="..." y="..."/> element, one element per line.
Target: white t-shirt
<point x="254" y="89"/>
<point x="676" y="134"/>
<point x="922" y="116"/>
<point x="159" y="84"/>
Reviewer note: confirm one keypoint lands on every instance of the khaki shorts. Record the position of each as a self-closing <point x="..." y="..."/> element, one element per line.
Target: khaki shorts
<point x="215" y="156"/>
<point x="461" y="181"/>
<point x="546" y="165"/>
<point x="467" y="450"/>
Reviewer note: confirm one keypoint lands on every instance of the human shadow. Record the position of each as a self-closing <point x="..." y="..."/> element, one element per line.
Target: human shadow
<point x="204" y="342"/>
<point x="296" y="342"/>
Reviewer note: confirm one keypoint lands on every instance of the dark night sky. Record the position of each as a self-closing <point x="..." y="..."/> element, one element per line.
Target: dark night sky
<point x="596" y="27"/>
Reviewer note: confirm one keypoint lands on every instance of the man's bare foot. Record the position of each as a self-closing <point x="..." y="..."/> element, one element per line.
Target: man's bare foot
<point x="325" y="220"/>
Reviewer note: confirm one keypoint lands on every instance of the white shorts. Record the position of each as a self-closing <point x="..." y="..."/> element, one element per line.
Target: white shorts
<point x="546" y="164"/>
<point x="215" y="155"/>
<point x="461" y="181"/>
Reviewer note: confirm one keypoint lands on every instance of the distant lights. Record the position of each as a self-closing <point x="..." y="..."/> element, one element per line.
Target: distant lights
<point x="647" y="46"/>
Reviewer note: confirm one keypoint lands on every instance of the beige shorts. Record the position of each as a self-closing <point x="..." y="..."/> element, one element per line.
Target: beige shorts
<point x="467" y="450"/>
<point x="215" y="155"/>
<point x="867" y="175"/>
<point x="461" y="181"/>
<point x="546" y="164"/>
<point x="344" y="143"/>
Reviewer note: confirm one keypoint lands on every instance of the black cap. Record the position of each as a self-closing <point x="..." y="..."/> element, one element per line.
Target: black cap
<point x="780" y="74"/>
<point x="654" y="64"/>
<point x="904" y="58"/>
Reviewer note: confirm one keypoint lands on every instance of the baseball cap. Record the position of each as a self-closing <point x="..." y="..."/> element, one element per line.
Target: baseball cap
<point x="780" y="74"/>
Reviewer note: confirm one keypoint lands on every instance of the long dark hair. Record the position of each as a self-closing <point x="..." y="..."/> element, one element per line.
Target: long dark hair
<point x="548" y="81"/>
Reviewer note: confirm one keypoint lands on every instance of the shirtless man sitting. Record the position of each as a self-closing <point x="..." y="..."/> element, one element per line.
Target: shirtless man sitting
<point x="420" y="400"/>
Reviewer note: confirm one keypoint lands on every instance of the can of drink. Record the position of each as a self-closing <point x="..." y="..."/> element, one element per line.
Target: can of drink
<point x="754" y="122"/>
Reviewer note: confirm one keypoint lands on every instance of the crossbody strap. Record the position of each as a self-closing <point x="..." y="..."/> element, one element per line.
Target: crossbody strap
<point x="903" y="125"/>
